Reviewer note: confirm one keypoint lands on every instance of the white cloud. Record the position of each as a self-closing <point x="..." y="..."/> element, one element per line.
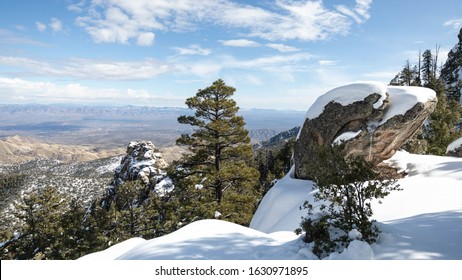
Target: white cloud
<point x="283" y="48"/>
<point x="193" y="50"/>
<point x="203" y="69"/>
<point x="40" y="26"/>
<point x="268" y="62"/>
<point x="327" y="62"/>
<point x="239" y="43"/>
<point x="76" y="7"/>
<point x="18" y="90"/>
<point x="454" y="24"/>
<point x="282" y="67"/>
<point x="359" y="13"/>
<point x="88" y="69"/>
<point x="56" y="25"/>
<point x="145" y="39"/>
<point x="115" y="21"/>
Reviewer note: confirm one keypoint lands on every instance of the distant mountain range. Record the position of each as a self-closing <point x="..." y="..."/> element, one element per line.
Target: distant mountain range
<point x="104" y="126"/>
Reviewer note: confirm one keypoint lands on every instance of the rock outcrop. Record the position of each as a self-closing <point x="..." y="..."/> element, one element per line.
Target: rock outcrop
<point x="372" y="120"/>
<point x="142" y="162"/>
<point x="451" y="72"/>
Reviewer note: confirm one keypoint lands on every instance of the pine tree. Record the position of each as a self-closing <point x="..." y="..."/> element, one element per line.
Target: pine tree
<point x="409" y="76"/>
<point x="217" y="170"/>
<point x="427" y="67"/>
<point x="442" y="127"/>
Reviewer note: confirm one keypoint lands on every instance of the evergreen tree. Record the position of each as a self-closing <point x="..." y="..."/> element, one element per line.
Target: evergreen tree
<point x="409" y="76"/>
<point x="41" y="234"/>
<point x="218" y="171"/>
<point x="427" y="67"/>
<point x="443" y="124"/>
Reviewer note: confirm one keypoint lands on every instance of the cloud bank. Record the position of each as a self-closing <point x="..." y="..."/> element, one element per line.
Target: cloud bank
<point x="125" y="22"/>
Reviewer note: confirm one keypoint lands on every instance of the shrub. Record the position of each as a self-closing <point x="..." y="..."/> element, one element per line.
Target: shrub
<point x="346" y="187"/>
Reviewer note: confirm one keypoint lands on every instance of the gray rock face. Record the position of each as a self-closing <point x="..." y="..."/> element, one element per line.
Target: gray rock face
<point x="367" y="129"/>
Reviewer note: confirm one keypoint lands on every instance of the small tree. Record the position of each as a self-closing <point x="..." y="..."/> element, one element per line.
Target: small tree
<point x="218" y="168"/>
<point x="346" y="187"/>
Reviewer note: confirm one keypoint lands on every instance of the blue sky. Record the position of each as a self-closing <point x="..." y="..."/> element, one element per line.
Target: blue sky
<point x="277" y="53"/>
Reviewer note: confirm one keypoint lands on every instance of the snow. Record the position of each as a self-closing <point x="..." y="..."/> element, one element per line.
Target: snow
<point x="346" y="95"/>
<point x="164" y="187"/>
<point x="423" y="221"/>
<point x="404" y="98"/>
<point x="208" y="239"/>
<point x="346" y="136"/>
<point x="354" y="234"/>
<point x="454" y="145"/>
<point x="357" y="250"/>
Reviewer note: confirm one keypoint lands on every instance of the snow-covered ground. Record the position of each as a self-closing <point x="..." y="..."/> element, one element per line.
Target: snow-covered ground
<point x="423" y="221"/>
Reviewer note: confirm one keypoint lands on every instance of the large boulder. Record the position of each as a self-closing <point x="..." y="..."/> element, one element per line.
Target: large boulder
<point x="372" y="120"/>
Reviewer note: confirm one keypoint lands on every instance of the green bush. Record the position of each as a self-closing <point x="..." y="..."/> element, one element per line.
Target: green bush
<point x="346" y="187"/>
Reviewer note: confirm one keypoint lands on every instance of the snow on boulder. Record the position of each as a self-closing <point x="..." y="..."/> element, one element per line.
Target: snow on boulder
<point x="348" y="94"/>
<point x="455" y="148"/>
<point x="373" y="120"/>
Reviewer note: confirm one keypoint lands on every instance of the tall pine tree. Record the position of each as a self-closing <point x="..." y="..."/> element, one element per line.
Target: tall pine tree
<point x="217" y="172"/>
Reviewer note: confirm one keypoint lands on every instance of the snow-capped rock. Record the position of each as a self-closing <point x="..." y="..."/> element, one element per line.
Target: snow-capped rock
<point x="455" y="148"/>
<point x="374" y="121"/>
<point x="141" y="162"/>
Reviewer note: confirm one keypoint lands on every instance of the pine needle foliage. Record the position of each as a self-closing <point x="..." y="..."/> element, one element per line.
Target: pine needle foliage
<point x="217" y="171"/>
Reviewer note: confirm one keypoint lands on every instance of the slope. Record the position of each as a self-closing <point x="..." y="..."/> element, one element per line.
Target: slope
<point x="423" y="221"/>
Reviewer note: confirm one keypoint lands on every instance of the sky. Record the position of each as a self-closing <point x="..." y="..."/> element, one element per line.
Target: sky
<point x="278" y="54"/>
